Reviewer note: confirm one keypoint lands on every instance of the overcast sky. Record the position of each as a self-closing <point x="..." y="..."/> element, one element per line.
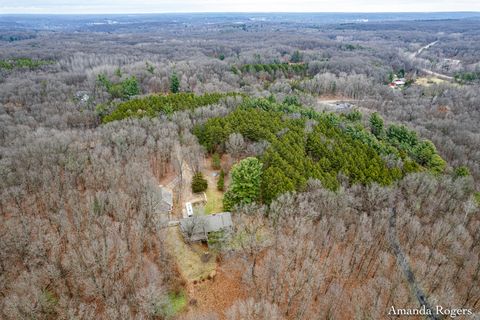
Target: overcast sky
<point x="154" y="6"/>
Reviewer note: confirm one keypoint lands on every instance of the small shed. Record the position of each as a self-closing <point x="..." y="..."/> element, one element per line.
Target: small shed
<point x="189" y="208"/>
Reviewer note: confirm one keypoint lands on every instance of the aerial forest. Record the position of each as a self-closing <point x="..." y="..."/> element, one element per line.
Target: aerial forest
<point x="348" y="194"/>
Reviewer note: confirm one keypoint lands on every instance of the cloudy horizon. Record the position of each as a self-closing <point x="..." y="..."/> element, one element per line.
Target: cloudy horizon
<point x="190" y="6"/>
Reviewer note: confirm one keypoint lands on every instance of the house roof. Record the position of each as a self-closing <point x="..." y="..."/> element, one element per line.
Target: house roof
<point x="202" y="225"/>
<point x="167" y="196"/>
<point x="218" y="221"/>
<point x="163" y="200"/>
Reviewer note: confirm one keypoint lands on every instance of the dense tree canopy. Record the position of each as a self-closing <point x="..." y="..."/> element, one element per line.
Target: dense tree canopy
<point x="273" y="70"/>
<point x="377" y="126"/>
<point x="333" y="147"/>
<point x="245" y="186"/>
<point x="124" y="89"/>
<point x="154" y="105"/>
<point x="19" y="63"/>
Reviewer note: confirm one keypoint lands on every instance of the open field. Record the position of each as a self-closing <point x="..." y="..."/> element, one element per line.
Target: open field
<point x="214" y="200"/>
<point x="428" y="81"/>
<point x="214" y="197"/>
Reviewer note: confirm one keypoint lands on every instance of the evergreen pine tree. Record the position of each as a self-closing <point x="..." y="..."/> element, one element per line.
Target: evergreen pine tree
<point x="377" y="126"/>
<point x="221" y="181"/>
<point x="199" y="184"/>
<point x="174" y="83"/>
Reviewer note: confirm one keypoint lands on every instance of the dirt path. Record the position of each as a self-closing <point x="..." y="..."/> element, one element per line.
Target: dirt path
<point x="419" y="51"/>
<point x="436" y="74"/>
<point x="414" y="55"/>
<point x="331" y="102"/>
<point x="405" y="266"/>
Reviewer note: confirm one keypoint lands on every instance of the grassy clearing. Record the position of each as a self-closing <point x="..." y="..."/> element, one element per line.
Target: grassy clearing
<point x="189" y="258"/>
<point x="214" y="200"/>
<point x="175" y="304"/>
<point x="428" y="81"/>
<point x="214" y="196"/>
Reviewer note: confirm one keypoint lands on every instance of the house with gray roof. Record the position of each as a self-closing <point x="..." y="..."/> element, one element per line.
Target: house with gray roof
<point x="197" y="228"/>
<point x="167" y="198"/>
<point x="163" y="201"/>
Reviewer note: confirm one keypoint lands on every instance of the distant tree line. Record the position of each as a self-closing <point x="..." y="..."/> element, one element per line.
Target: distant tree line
<point x="155" y="105"/>
<point x="274" y="69"/>
<point x="20" y="63"/>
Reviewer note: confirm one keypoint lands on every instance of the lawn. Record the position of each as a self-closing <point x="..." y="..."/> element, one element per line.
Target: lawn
<point x="189" y="258"/>
<point x="175" y="304"/>
<point x="428" y="81"/>
<point x="214" y="200"/>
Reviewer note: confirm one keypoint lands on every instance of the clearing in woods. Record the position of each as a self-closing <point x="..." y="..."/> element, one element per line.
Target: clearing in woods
<point x="428" y="81"/>
<point x="190" y="258"/>
<point x="211" y="286"/>
<point x="214" y="197"/>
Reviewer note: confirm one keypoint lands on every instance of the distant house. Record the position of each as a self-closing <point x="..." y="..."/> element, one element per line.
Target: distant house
<point x="343" y="106"/>
<point x="197" y="228"/>
<point x="397" y="83"/>
<point x="82" y="96"/>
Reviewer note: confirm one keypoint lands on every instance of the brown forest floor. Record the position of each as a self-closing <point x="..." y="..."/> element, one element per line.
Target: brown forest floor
<point x="218" y="294"/>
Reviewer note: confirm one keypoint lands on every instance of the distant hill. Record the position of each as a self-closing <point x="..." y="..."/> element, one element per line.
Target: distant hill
<point x="116" y="22"/>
